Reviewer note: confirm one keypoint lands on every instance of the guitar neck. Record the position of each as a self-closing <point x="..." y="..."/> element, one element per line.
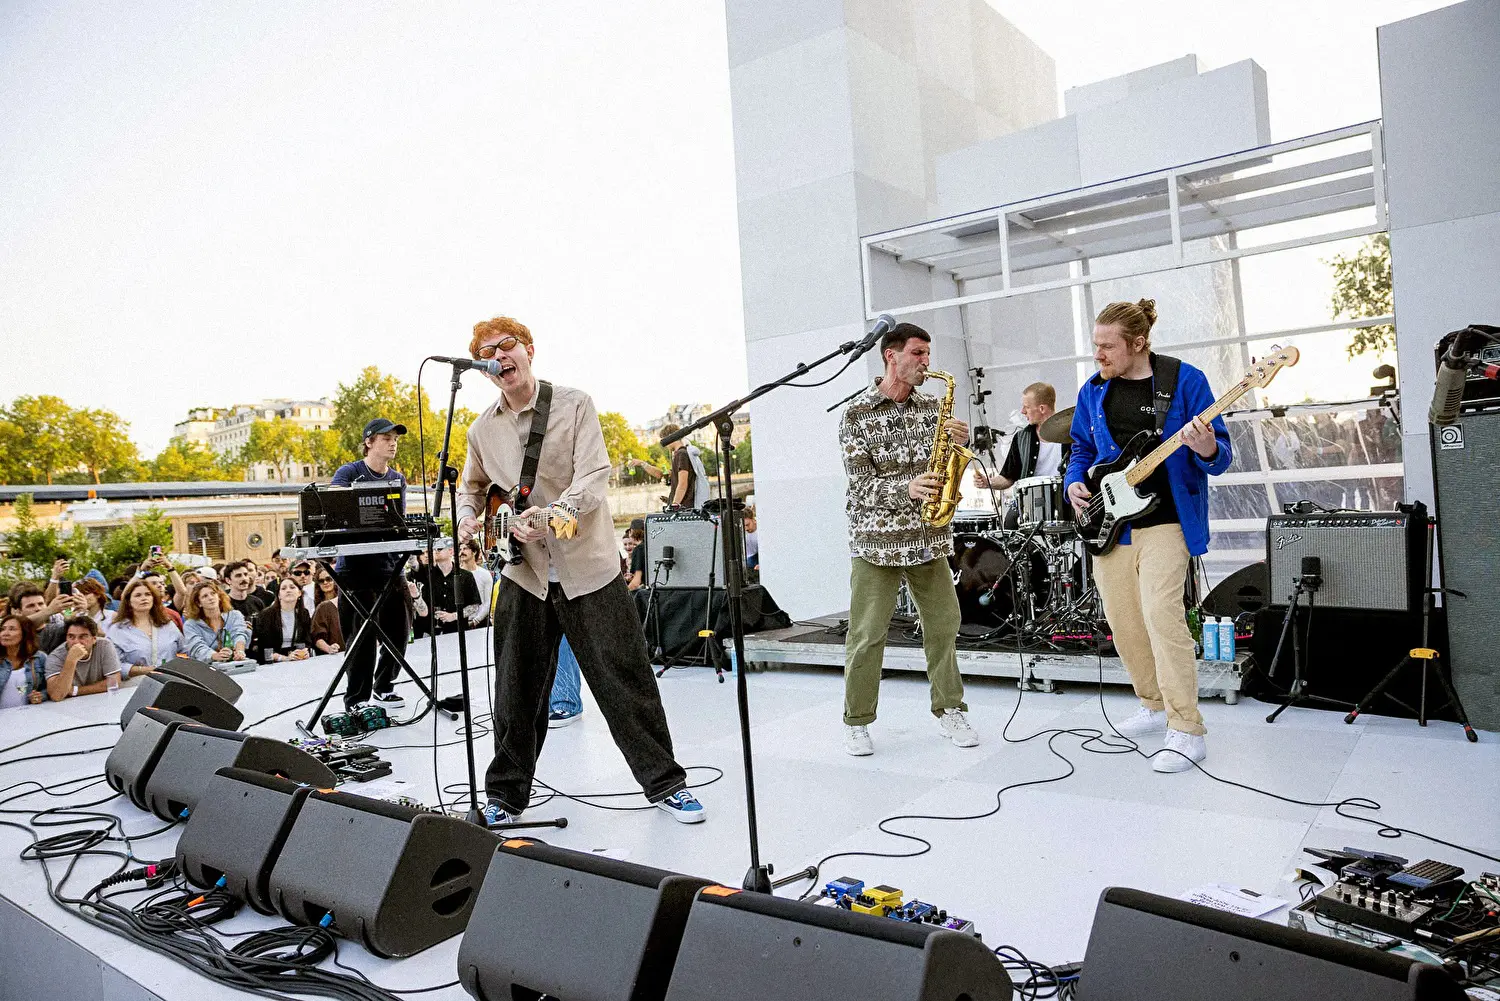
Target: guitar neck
<point x="1147" y="465"/>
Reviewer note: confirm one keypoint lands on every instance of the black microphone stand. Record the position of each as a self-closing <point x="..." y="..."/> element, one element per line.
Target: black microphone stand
<point x="448" y="477"/>
<point x="758" y="877"/>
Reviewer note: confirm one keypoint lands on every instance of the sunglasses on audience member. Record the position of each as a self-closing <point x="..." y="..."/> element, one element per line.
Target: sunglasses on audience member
<point x="489" y="351"/>
<point x="300" y="571"/>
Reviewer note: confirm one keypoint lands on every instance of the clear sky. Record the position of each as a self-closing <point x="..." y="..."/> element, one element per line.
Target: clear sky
<point x="215" y="203"/>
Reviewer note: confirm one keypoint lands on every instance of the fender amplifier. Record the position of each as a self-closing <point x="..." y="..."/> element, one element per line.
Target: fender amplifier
<point x="697" y="550"/>
<point x="1370" y="559"/>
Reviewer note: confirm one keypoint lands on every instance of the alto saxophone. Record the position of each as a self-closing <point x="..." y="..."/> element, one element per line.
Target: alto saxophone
<point x="949" y="460"/>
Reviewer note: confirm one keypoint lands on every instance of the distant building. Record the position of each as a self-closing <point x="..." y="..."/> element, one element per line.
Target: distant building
<point x="198" y="427"/>
<point x="685" y="414"/>
<point x="231" y="431"/>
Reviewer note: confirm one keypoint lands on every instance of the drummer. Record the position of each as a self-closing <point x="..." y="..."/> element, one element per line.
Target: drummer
<point x="1029" y="454"/>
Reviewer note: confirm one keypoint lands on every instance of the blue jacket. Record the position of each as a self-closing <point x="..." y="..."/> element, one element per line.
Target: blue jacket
<point x="1187" y="472"/>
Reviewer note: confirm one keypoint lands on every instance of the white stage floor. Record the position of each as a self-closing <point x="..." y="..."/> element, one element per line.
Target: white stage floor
<point x="1028" y="876"/>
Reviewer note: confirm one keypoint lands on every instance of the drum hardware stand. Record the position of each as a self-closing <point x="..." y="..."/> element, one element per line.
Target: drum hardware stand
<point x="758" y="876"/>
<point x="1306" y="583"/>
<point x="1427" y="658"/>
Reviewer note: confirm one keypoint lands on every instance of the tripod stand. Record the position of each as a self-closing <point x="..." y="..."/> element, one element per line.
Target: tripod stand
<point x="1427" y="658"/>
<point x="709" y="651"/>
<point x="1308" y="583"/>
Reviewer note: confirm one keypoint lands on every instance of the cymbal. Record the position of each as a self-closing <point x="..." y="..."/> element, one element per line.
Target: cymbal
<point x="1058" y="429"/>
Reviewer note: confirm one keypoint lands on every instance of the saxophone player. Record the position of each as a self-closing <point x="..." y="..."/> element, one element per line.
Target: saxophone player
<point x="887" y="436"/>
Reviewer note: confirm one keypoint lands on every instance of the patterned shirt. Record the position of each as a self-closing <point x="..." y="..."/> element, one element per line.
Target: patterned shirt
<point x="885" y="445"/>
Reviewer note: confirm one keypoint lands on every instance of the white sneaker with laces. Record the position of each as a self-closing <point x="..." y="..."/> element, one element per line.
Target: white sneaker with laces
<point x="955" y="726"/>
<point x="857" y="740"/>
<point x="1179" y="751"/>
<point x="1144" y="723"/>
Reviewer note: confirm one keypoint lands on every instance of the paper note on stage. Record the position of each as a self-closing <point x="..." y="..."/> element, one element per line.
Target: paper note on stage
<point x="1234" y="899"/>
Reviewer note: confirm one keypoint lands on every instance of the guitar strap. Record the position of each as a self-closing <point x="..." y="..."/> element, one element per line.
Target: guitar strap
<point x="539" y="414"/>
<point x="1164" y="369"/>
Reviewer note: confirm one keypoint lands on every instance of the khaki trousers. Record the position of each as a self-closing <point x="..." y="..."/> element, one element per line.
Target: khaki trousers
<point x="1141" y="585"/>
<point x="872" y="599"/>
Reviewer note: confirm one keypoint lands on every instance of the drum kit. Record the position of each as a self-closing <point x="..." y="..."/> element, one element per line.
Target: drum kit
<point x="1030" y="583"/>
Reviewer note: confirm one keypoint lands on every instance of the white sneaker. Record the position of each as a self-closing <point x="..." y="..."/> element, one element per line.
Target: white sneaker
<point x="1144" y="723"/>
<point x="857" y="740"/>
<point x="955" y="725"/>
<point x="1179" y="751"/>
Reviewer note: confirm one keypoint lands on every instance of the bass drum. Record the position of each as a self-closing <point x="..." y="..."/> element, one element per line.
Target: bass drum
<point x="993" y="575"/>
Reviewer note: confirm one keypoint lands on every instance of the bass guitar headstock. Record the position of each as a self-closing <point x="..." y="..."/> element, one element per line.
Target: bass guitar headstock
<point x="1264" y="370"/>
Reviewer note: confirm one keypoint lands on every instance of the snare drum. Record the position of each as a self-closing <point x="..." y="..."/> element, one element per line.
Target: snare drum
<point x="1043" y="506"/>
<point x="974" y="521"/>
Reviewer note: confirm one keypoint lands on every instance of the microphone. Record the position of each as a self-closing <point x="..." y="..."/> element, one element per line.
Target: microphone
<point x="489" y="366"/>
<point x="667" y="557"/>
<point x="883" y="323"/>
<point x="1452" y="374"/>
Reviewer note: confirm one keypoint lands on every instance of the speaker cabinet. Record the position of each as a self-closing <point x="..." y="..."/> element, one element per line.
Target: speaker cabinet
<point x="136" y="753"/>
<point x="1149" y="948"/>
<point x="204" y="676"/>
<point x="196" y="752"/>
<point x="165" y="691"/>
<point x="236" y="833"/>
<point x="697" y="550"/>
<point x="1466" y="474"/>
<point x="741" y="946"/>
<point x="394" y="879"/>
<point x="596" y="929"/>
<point x="1371" y="559"/>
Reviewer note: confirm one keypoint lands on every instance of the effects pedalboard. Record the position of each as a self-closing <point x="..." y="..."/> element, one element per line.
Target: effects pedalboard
<point x="886" y="902"/>
<point x="351" y="762"/>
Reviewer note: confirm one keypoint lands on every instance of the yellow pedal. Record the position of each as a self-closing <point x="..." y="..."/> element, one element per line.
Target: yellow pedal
<point x="704" y="634"/>
<point x="877" y="900"/>
<point x="1423" y="653"/>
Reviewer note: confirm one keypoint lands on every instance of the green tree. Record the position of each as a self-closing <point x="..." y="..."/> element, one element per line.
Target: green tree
<point x="326" y="448"/>
<point x="279" y="442"/>
<point x="620" y="441"/>
<point x="38" y="438"/>
<point x="30" y="544"/>
<point x="1362" y="288"/>
<point x="375" y="394"/>
<point x="191" y="461"/>
<point x="743" y="461"/>
<point x="132" y="542"/>
<point x="99" y="440"/>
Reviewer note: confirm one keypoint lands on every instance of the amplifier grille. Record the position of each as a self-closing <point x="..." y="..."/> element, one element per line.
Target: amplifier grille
<point x="1368" y="559"/>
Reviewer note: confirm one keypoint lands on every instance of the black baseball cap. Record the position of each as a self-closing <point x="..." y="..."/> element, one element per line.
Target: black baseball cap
<point x="381" y="425"/>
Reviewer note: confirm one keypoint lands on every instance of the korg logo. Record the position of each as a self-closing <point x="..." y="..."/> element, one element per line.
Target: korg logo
<point x="1451" y="436"/>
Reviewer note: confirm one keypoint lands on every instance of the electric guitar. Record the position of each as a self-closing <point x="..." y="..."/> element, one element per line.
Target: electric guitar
<point x="500" y="517"/>
<point x="1117" y="498"/>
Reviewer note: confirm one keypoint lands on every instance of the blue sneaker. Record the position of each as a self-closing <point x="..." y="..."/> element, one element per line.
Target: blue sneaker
<point x="558" y="717"/>
<point x="684" y="807"/>
<point x="495" y="814"/>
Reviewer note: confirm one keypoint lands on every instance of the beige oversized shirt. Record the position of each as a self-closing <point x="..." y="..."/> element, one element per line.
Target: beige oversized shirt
<point x="574" y="469"/>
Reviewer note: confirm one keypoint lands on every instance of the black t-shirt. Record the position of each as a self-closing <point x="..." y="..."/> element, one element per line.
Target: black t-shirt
<point x="249" y="606"/>
<point x="682" y="462"/>
<point x="1013" y="469"/>
<point x="638" y="562"/>
<point x="442" y="600"/>
<point x="1129" y="410"/>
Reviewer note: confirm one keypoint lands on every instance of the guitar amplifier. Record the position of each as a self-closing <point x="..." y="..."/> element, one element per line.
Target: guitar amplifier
<point x="1371" y="559"/>
<point x="697" y="550"/>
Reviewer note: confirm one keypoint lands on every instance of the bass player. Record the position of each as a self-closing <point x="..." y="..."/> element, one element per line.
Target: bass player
<point x="1141" y="579"/>
<point x="568" y="582"/>
<point x="886" y="436"/>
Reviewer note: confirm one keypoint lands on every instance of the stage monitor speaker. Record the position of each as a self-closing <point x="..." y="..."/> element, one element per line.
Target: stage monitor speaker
<point x="1466" y="474"/>
<point x="395" y="879"/>
<point x="237" y="831"/>
<point x="136" y="753"/>
<point x="697" y="550"/>
<point x="741" y="946"/>
<point x="1248" y="589"/>
<point x="164" y="691"/>
<point x="204" y="676"/>
<point x="196" y="752"/>
<point x="631" y="917"/>
<point x="1149" y="948"/>
<point x="1371" y="559"/>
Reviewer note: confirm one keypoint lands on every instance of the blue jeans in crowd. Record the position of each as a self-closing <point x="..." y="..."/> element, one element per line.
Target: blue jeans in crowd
<point x="567" y="688"/>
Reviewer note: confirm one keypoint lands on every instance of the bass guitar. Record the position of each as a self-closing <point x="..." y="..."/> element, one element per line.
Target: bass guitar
<point x="500" y="516"/>
<point x="1116" y="485"/>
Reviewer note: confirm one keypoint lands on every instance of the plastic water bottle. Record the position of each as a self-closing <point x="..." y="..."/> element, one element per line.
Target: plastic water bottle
<point x="1226" y="639"/>
<point x="1211" y="638"/>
